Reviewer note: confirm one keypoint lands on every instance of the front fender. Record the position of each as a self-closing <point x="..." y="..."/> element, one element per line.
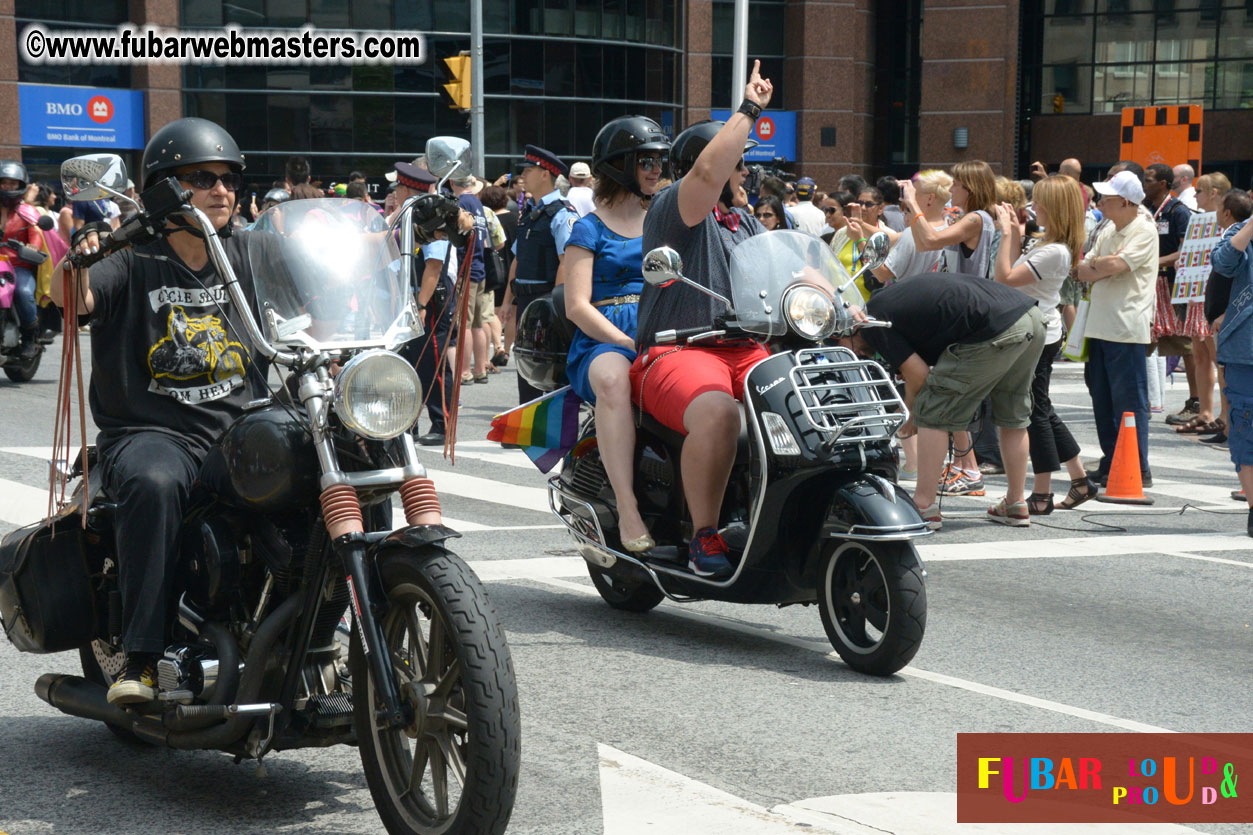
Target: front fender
<point x="872" y="508"/>
<point x="407" y="540"/>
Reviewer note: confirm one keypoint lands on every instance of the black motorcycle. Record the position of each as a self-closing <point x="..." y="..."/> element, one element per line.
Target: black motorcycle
<point x="812" y="513"/>
<point x="288" y="529"/>
<point x="16" y="367"/>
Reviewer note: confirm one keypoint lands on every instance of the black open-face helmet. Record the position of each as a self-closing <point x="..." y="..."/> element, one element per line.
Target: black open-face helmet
<point x="543" y="342"/>
<point x="13" y="170"/>
<point x="619" y="144"/>
<point x="689" y="144"/>
<point x="187" y="141"/>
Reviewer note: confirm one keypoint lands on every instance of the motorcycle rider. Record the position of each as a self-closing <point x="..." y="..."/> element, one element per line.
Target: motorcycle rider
<point x="695" y="389"/>
<point x="170" y="372"/>
<point x="17" y="222"/>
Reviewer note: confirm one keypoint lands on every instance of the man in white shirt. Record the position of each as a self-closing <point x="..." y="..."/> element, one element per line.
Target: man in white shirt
<point x="808" y="217"/>
<point x="580" y="194"/>
<point x="1122" y="268"/>
<point x="1184" y="174"/>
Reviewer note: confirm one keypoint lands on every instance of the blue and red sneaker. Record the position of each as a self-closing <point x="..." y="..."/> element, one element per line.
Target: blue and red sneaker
<point x="708" y="555"/>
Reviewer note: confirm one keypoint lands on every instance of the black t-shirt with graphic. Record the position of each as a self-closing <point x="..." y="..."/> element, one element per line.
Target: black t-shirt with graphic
<point x="169" y="351"/>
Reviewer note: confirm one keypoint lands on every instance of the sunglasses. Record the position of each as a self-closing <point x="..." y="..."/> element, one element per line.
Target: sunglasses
<point x="648" y="164"/>
<point x="765" y="214"/>
<point x="830" y="210"/>
<point x="739" y="166"/>
<point x="205" y="180"/>
<point x="867" y="205"/>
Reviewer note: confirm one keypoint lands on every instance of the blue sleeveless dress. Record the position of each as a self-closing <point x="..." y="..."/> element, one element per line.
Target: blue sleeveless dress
<point x="616" y="271"/>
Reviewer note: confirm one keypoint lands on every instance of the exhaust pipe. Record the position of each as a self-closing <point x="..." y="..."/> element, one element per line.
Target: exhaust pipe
<point x="76" y="696"/>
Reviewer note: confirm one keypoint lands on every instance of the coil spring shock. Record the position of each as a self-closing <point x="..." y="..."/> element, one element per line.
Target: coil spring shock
<point x="341" y="511"/>
<point x="421" y="502"/>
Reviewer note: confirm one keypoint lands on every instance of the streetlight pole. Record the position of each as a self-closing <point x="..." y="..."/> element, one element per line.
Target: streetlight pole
<point x="476" y="87"/>
<point x="739" y="54"/>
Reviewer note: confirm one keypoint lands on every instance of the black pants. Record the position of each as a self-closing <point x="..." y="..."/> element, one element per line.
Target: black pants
<point x="1051" y="441"/>
<point x="426" y="354"/>
<point x="524" y="294"/>
<point x="150" y="475"/>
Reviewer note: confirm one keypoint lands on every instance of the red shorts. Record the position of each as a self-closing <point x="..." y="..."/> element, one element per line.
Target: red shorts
<point x="665" y="379"/>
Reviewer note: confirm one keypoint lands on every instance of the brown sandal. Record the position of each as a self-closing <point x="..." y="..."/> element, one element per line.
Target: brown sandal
<point x="1081" y="490"/>
<point x="1216" y="426"/>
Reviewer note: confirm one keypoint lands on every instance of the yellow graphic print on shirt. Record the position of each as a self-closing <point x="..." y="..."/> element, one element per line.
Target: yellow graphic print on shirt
<point x="197" y="348"/>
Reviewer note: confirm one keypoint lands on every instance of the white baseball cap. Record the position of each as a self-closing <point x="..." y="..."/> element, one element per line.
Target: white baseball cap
<point x="1124" y="184"/>
<point x="580" y="171"/>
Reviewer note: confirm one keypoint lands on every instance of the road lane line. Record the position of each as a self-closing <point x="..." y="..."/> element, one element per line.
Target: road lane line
<point x="824" y="648"/>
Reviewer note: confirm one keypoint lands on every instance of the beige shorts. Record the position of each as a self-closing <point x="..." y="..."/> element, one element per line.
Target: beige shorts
<point x="482" y="308"/>
<point x="1001" y="368"/>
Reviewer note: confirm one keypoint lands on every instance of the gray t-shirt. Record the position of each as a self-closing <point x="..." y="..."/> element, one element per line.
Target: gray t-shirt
<point x="706" y="251"/>
<point x="978" y="262"/>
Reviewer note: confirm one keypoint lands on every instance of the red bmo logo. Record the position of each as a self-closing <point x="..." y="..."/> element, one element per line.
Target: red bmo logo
<point x="100" y="109"/>
<point x="765" y="127"/>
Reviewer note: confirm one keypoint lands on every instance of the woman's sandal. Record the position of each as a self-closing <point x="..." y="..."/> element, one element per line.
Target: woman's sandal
<point x="1196" y="426"/>
<point x="640" y="545"/>
<point x="1081" y="490"/>
<point x="1040" y="504"/>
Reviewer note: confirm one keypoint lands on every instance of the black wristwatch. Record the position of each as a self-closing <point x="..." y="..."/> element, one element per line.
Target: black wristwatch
<point x="750" y="110"/>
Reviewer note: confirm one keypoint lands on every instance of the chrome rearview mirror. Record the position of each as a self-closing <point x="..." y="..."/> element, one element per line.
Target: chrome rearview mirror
<point x="876" y="250"/>
<point x="662" y="267"/>
<point x="446" y="154"/>
<point x="93" y="177"/>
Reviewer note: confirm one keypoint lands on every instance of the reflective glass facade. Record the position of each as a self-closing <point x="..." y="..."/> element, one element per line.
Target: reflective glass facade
<point x="554" y="72"/>
<point x="1099" y="56"/>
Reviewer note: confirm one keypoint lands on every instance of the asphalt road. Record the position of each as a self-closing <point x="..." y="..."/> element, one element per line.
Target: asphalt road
<point x="701" y="718"/>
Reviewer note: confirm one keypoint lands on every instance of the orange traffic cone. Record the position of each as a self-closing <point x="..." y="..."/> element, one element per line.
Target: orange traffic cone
<point x="1124" y="485"/>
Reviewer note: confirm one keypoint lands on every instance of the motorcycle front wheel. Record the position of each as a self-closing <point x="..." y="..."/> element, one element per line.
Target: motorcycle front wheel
<point x="873" y="604"/>
<point x="454" y="771"/>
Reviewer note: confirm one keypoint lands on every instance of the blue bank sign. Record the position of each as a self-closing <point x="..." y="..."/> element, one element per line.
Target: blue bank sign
<point x="775" y="130"/>
<point x="81" y="117"/>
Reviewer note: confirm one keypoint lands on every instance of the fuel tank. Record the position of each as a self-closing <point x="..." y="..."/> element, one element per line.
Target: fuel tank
<point x="265" y="463"/>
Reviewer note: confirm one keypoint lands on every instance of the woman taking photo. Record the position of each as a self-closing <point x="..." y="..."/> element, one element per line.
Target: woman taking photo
<point x="769" y="212"/>
<point x="1059" y="204"/>
<point x="931" y="193"/>
<point x="970" y="238"/>
<point x="604" y="278"/>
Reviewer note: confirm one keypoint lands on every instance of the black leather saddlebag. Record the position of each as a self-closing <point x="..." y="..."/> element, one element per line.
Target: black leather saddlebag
<point x="46" y="601"/>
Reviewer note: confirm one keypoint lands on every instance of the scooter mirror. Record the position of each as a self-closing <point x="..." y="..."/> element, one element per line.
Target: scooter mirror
<point x="93" y="177"/>
<point x="876" y="251"/>
<point x="444" y="154"/>
<point x="662" y="267"/>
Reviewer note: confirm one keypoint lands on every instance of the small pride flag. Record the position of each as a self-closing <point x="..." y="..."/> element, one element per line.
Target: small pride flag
<point x="545" y="429"/>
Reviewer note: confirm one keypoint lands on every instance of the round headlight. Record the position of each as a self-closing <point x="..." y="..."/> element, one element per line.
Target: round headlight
<point x="377" y="395"/>
<point x="810" y="312"/>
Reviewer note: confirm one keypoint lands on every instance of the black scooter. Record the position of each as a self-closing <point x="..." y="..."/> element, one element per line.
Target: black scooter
<point x="812" y="512"/>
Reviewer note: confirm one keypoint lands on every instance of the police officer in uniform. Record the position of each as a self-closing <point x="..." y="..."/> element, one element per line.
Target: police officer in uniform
<point x="541" y="243"/>
<point x="431" y="292"/>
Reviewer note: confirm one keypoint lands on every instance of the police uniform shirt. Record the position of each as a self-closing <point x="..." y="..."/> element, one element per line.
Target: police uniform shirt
<point x="562" y="224"/>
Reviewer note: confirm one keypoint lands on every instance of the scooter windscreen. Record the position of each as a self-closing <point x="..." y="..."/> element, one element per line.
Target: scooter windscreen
<point x="765" y="267"/>
<point x="328" y="276"/>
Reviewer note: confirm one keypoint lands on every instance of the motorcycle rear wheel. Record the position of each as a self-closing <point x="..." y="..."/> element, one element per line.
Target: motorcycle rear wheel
<point x="102" y="664"/>
<point x="625" y="595"/>
<point x="23" y="372"/>
<point x="454" y="771"/>
<point x="873" y="604"/>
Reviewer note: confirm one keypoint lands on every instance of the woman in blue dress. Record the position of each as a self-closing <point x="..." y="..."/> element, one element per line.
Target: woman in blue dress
<point x="603" y="268"/>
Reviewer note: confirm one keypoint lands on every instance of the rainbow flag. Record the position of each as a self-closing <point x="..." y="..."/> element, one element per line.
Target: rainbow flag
<point x="545" y="429"/>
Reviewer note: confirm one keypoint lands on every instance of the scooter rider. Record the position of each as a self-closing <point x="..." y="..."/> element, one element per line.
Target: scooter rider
<point x="15" y="225"/>
<point x="170" y="372"/>
<point x="695" y="389"/>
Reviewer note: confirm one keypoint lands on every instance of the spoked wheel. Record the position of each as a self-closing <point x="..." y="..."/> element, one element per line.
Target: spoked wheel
<point x="455" y="769"/>
<point x="874" y="604"/>
<point x="627" y="595"/>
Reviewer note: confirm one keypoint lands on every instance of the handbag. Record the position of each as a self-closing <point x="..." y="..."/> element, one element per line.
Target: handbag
<point x="1076" y="347"/>
<point x="494" y="267"/>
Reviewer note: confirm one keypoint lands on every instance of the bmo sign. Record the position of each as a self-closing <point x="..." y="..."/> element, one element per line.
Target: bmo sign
<point x="80" y="117"/>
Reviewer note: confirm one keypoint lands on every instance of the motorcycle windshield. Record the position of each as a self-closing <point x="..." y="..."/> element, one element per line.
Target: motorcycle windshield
<point x="328" y="276"/>
<point x="765" y="266"/>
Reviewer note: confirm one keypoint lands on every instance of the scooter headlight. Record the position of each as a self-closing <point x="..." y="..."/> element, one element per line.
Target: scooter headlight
<point x="377" y="395"/>
<point x="810" y="312"/>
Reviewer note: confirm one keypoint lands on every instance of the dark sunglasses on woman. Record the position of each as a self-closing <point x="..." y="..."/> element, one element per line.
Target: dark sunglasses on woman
<point x="760" y="215"/>
<point x="205" y="180"/>
<point x="648" y="164"/>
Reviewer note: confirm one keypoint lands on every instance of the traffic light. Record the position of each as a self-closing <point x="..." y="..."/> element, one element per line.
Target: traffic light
<point x="458" y="86"/>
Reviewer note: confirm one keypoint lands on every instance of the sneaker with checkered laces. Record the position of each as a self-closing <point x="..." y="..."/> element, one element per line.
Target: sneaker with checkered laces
<point x="963" y="483"/>
<point x="138" y="682"/>
<point x="1016" y="515"/>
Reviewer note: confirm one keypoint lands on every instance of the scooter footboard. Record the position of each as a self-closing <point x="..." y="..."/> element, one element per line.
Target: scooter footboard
<point x="874" y="509"/>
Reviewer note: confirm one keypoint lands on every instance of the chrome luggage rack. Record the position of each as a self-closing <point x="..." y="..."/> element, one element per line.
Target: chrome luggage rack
<point x="852" y="400"/>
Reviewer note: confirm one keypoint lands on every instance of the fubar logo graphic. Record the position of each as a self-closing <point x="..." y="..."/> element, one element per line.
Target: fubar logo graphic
<point x="1103" y="778"/>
